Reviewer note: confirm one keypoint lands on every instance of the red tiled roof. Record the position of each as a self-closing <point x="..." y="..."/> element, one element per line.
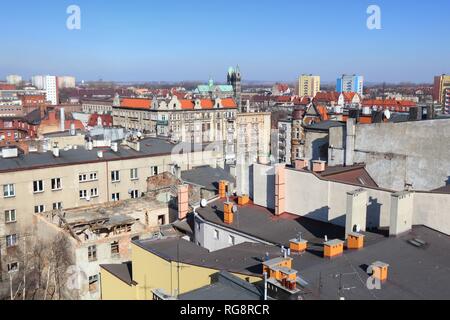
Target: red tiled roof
<point x="134" y="103"/>
<point x="187" y="104"/>
<point x="107" y="120"/>
<point x="326" y="97"/>
<point x="207" y="104"/>
<point x="348" y="96"/>
<point x="229" y="103"/>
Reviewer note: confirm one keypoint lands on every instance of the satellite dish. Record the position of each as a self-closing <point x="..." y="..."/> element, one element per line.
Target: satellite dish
<point x="203" y="203"/>
<point x="357" y="228"/>
<point x="387" y="114"/>
<point x="234" y="209"/>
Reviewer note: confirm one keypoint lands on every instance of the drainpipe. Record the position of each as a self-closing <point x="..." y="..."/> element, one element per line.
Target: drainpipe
<point x="265" y="286"/>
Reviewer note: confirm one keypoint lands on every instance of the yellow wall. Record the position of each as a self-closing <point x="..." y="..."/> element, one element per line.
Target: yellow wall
<point x="152" y="272"/>
<point x="115" y="289"/>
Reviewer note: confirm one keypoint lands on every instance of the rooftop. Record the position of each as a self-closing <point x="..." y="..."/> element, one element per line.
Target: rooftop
<point x="325" y="125"/>
<point x="226" y="287"/>
<point x="414" y="272"/>
<point x="148" y="147"/>
<point x="207" y="177"/>
<point x="261" y="223"/>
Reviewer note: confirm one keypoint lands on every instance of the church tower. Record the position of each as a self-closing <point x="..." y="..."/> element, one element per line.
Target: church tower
<point x="234" y="79"/>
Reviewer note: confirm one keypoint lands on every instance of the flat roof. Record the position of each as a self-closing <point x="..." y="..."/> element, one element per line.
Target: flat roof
<point x="261" y="223"/>
<point x="148" y="147"/>
<point x="207" y="176"/>
<point x="245" y="258"/>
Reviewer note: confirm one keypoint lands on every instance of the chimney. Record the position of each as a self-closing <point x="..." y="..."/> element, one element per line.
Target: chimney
<point x="319" y="166"/>
<point x="355" y="241"/>
<point x="223" y="188"/>
<point x="228" y="215"/>
<point x="56" y="151"/>
<point x="355" y="219"/>
<point x="280" y="173"/>
<point x="62" y="118"/>
<point x="183" y="201"/>
<point x="333" y="248"/>
<point x="72" y="129"/>
<point x="243" y="200"/>
<point x="401" y="213"/>
<point x="350" y="142"/>
<point x="100" y="154"/>
<point x="52" y="116"/>
<point x="301" y="164"/>
<point x="379" y="270"/>
<point x="114" y="146"/>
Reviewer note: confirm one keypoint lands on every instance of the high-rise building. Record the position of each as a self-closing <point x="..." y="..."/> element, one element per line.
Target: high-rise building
<point x="38" y="82"/>
<point x="350" y="83"/>
<point x="66" y="82"/>
<point x="51" y="89"/>
<point x="308" y="85"/>
<point x="13" y="79"/>
<point x="49" y="84"/>
<point x="441" y="92"/>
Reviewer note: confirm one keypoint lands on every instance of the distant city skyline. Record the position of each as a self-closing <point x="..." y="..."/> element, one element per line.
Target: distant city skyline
<point x="139" y="41"/>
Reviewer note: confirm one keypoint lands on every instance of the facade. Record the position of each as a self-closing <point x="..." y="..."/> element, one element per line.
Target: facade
<point x="308" y="85"/>
<point x="195" y="121"/>
<point x="39" y="182"/>
<point x="39" y="82"/>
<point x="441" y="92"/>
<point x="350" y="83"/>
<point x="282" y="142"/>
<point x="66" y="82"/>
<point x="97" y="106"/>
<point x="101" y="234"/>
<point x="14" y="79"/>
<point x="51" y="89"/>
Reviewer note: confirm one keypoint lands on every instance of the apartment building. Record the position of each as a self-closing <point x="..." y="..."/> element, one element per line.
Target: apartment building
<point x="39" y="182"/>
<point x="350" y="83"/>
<point x="441" y="92"/>
<point x="97" y="106"/>
<point x="308" y="85"/>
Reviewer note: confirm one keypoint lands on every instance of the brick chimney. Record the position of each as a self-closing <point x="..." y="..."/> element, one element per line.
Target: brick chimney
<point x="301" y="164"/>
<point x="223" y="188"/>
<point x="319" y="166"/>
<point x="280" y="173"/>
<point x="183" y="201"/>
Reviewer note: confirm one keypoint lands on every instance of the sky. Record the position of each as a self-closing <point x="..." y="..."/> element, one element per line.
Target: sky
<point x="271" y="40"/>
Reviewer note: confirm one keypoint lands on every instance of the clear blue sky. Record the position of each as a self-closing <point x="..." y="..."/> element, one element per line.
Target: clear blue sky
<point x="138" y="40"/>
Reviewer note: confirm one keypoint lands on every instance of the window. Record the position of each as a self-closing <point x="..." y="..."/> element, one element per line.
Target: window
<point x="83" y="194"/>
<point x="9" y="191"/>
<point x="231" y="240"/>
<point x="115" y="197"/>
<point x="93" y="176"/>
<point x="161" y="220"/>
<point x="115" y="249"/>
<point x="10" y="216"/>
<point x="115" y="176"/>
<point x="38" y="186"/>
<point x="57" y="206"/>
<point x="39" y="209"/>
<point x="216" y="234"/>
<point x="93" y="283"/>
<point x="94" y="192"/>
<point x="82" y="177"/>
<point x="133" y="174"/>
<point x="154" y="170"/>
<point x="11" y="240"/>
<point x="56" y="184"/>
<point x="92" y="253"/>
<point x="134" y="194"/>
<point x="13" y="267"/>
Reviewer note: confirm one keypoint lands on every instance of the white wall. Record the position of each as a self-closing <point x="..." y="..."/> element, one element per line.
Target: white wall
<point x="307" y="195"/>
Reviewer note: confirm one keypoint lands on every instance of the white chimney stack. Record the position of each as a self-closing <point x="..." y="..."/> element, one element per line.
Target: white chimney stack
<point x="62" y="117"/>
